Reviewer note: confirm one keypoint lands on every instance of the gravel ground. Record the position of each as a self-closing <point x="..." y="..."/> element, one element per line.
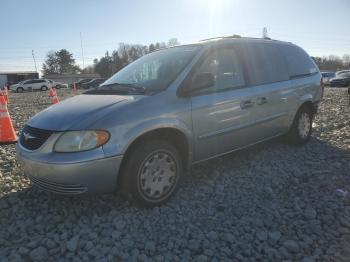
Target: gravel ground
<point x="272" y="202"/>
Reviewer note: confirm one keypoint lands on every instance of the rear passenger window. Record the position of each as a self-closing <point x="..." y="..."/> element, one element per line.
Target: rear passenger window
<point x="225" y="66"/>
<point x="264" y="63"/>
<point x="298" y="62"/>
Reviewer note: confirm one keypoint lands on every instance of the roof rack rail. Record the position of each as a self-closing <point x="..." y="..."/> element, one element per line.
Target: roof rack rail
<point x="235" y="36"/>
<point x="220" y="37"/>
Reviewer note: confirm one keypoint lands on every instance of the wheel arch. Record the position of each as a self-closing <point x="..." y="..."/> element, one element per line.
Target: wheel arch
<point x="309" y="105"/>
<point x="175" y="136"/>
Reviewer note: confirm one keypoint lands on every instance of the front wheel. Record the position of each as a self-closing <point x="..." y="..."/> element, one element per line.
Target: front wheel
<point x="301" y="128"/>
<point x="151" y="173"/>
<point x="43" y="88"/>
<point x="20" y="89"/>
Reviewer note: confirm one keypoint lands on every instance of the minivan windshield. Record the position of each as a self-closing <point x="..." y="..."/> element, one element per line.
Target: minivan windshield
<point x="152" y="72"/>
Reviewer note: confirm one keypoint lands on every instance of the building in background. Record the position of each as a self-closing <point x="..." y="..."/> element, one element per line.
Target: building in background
<point x="69" y="78"/>
<point x="15" y="77"/>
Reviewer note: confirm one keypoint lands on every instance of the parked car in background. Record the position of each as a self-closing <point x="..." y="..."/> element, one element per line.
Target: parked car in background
<point x="326" y="76"/>
<point x="141" y="129"/>
<point x="341" y="72"/>
<point x="80" y="82"/>
<point x="31" y="84"/>
<point x="342" y="79"/>
<point x="93" y="83"/>
<point x="57" y="85"/>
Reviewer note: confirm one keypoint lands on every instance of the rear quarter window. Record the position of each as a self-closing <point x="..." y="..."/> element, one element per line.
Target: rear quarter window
<point x="264" y="63"/>
<point x="298" y="61"/>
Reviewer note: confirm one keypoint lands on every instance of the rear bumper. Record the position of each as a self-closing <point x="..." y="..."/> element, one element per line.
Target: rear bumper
<point x="94" y="176"/>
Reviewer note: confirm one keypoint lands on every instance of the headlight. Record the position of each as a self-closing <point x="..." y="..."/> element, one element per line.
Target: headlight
<point x="76" y="141"/>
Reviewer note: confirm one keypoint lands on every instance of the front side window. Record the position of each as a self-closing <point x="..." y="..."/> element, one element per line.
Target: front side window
<point x="225" y="67"/>
<point x="155" y="71"/>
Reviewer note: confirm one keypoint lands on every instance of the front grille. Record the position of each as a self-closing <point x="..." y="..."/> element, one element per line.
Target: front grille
<point x="33" y="138"/>
<point x="59" y="188"/>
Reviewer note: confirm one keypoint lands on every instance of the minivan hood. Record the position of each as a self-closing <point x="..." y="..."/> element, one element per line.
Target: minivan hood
<point x="78" y="112"/>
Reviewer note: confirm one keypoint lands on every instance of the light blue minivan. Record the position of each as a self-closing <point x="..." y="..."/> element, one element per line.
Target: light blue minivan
<point x="144" y="126"/>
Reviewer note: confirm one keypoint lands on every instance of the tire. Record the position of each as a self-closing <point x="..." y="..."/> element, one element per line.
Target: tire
<point x="20" y="89"/>
<point x="151" y="173"/>
<point x="43" y="88"/>
<point x="301" y="129"/>
<point x="58" y="87"/>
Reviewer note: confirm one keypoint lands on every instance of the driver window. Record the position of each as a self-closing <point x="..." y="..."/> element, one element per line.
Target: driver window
<point x="225" y="66"/>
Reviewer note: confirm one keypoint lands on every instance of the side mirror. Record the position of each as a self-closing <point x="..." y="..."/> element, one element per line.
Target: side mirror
<point x="202" y="80"/>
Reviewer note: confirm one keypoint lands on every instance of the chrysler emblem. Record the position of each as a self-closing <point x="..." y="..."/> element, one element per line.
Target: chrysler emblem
<point x="28" y="136"/>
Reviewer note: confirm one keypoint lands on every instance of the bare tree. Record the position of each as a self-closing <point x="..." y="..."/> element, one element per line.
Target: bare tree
<point x="173" y="42"/>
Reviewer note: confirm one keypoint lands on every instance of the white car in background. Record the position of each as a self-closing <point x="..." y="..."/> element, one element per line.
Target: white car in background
<point x="57" y="85"/>
<point x="31" y="84"/>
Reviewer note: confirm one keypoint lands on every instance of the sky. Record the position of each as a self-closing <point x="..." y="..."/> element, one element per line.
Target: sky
<point x="321" y="27"/>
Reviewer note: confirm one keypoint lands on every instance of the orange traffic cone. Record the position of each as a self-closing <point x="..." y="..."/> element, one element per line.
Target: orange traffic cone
<point x="7" y="132"/>
<point x="52" y="92"/>
<point x="2" y="93"/>
<point x="55" y="99"/>
<point x="6" y="94"/>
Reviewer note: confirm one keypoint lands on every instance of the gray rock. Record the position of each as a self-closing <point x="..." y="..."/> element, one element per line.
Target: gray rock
<point x="88" y="245"/>
<point x="261" y="235"/>
<point x="119" y="224"/>
<point x="344" y="222"/>
<point x="72" y="244"/>
<point x="308" y="259"/>
<point x="275" y="236"/>
<point x="23" y="251"/>
<point x="291" y="245"/>
<point x="150" y="247"/>
<point x="50" y="244"/>
<point x="212" y="235"/>
<point x="39" y="254"/>
<point x="310" y="213"/>
<point x="202" y="258"/>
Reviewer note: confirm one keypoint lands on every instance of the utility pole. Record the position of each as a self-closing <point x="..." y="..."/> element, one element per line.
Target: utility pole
<point x="82" y="50"/>
<point x="36" y="69"/>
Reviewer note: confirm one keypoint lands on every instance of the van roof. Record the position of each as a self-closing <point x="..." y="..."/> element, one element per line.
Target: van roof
<point x="239" y="38"/>
<point x="231" y="39"/>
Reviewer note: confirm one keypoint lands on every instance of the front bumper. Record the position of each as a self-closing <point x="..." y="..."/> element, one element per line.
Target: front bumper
<point x="93" y="176"/>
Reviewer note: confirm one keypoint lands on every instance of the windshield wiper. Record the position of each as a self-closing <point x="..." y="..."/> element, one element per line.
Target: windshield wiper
<point x="133" y="87"/>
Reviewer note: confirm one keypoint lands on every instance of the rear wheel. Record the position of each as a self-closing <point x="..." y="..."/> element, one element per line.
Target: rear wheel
<point x="301" y="128"/>
<point x="20" y="89"/>
<point x="151" y="173"/>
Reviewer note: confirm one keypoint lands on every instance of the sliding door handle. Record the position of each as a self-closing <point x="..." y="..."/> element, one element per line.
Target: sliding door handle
<point x="261" y="100"/>
<point x="247" y="104"/>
